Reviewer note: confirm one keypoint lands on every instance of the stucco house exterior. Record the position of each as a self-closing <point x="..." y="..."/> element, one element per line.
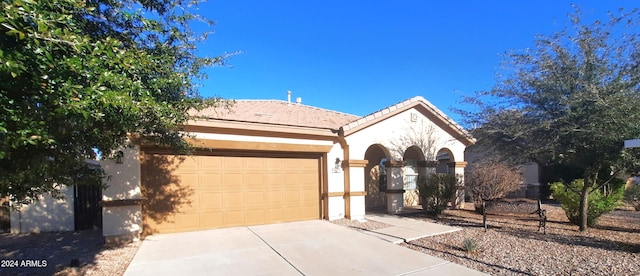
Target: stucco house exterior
<point x="270" y="161"/>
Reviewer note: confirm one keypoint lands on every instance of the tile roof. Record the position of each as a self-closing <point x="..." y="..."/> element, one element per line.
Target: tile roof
<point x="279" y="113"/>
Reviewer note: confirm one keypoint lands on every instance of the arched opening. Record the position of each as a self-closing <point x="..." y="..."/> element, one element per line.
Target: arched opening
<point x="445" y="159"/>
<point x="375" y="177"/>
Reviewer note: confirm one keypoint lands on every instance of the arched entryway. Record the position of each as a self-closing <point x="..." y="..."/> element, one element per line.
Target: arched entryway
<point x="375" y="177"/>
<point x="445" y="161"/>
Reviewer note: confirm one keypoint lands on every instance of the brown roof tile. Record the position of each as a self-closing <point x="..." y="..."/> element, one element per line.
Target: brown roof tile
<point x="280" y="113"/>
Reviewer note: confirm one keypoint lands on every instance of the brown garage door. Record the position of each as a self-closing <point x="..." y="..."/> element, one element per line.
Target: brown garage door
<point x="184" y="193"/>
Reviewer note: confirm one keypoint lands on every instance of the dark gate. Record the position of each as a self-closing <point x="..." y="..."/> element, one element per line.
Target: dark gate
<point x="87" y="210"/>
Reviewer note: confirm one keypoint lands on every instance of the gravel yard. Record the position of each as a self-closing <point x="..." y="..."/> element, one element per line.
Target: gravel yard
<point x="514" y="247"/>
<point x="509" y="247"/>
<point x="85" y="249"/>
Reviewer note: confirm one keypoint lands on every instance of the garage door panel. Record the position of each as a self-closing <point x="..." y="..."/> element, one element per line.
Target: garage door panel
<point x="187" y="221"/>
<point x="291" y="179"/>
<point x="254" y="198"/>
<point x="210" y="181"/>
<point x="203" y="192"/>
<point x="211" y="219"/>
<point x="256" y="216"/>
<point x="254" y="181"/>
<point x="292" y="197"/>
<point x="233" y="200"/>
<point x="234" y="218"/>
<point x="236" y="164"/>
<point x="211" y="200"/>
<point x="233" y="181"/>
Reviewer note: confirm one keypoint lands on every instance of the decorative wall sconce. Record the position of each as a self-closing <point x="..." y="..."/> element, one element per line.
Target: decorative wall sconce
<point x="338" y="166"/>
<point x="119" y="157"/>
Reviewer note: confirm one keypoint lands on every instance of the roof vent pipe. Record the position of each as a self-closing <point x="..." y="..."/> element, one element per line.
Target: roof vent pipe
<point x="298" y="100"/>
<point x="288" y="97"/>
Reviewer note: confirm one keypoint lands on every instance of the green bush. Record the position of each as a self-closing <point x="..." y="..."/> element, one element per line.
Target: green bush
<point x="632" y="196"/>
<point x="436" y="191"/>
<point x="598" y="205"/>
<point x="470" y="245"/>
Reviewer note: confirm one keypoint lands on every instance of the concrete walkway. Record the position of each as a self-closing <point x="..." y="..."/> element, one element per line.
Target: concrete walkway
<point x="406" y="229"/>
<point x="296" y="248"/>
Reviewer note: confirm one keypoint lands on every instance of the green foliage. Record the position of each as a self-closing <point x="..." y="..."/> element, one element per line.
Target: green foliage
<point x="632" y="196"/>
<point x="599" y="204"/>
<point x="570" y="100"/>
<point x="82" y="75"/>
<point x="470" y="245"/>
<point x="436" y="191"/>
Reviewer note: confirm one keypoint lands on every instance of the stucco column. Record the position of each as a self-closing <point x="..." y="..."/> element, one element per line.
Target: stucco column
<point x="395" y="186"/>
<point x="121" y="201"/>
<point x="458" y="169"/>
<point x="355" y="191"/>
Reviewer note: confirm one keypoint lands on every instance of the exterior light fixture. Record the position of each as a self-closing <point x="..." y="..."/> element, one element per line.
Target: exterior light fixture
<point x="338" y="166"/>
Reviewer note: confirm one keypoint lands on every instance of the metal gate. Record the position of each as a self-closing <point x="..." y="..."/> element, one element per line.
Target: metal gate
<point x="87" y="209"/>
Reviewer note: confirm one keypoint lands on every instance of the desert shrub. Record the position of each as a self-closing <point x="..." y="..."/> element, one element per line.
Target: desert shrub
<point x="632" y="196"/>
<point x="598" y="203"/>
<point x="470" y="245"/>
<point x="436" y="191"/>
<point x="487" y="180"/>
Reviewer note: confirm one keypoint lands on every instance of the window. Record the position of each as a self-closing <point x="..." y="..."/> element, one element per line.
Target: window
<point x="411" y="175"/>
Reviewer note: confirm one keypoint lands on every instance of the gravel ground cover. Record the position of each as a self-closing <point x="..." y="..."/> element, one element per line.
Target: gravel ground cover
<point x="515" y="247"/>
<point x="65" y="253"/>
<point x="509" y="247"/>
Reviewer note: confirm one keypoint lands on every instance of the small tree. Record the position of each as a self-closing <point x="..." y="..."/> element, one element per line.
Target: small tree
<point x="436" y="191"/>
<point x="83" y="76"/>
<point x="599" y="203"/>
<point x="489" y="180"/>
<point x="570" y="100"/>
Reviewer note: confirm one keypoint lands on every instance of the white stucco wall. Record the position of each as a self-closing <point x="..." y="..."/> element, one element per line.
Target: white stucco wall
<point x="123" y="182"/>
<point x="335" y="184"/>
<point x="389" y="133"/>
<point x="388" y="130"/>
<point x="45" y="214"/>
<point x="122" y="221"/>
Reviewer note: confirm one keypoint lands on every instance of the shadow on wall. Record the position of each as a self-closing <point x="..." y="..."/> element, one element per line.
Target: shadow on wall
<point x="164" y="193"/>
<point x="45" y="214"/>
<point x="375" y="199"/>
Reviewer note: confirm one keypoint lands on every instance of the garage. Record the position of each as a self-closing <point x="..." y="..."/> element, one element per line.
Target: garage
<point x="213" y="190"/>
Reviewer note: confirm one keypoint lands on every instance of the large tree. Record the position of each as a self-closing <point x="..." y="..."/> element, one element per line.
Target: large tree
<point x="571" y="100"/>
<point x="81" y="76"/>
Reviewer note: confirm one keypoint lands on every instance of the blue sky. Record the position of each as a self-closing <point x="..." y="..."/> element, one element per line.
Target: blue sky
<point x="360" y="56"/>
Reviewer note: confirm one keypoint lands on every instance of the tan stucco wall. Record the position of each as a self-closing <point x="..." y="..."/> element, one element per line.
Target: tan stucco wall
<point x="123" y="183"/>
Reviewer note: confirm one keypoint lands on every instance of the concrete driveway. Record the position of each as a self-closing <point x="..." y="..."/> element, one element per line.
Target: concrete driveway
<point x="296" y="248"/>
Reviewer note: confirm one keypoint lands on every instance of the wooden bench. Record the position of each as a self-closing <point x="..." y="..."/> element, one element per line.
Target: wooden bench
<point x="521" y="208"/>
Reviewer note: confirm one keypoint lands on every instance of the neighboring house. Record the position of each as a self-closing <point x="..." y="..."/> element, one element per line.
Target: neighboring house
<point x="269" y="161"/>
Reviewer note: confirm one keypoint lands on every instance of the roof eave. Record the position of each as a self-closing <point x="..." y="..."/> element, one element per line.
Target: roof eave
<point x="259" y="129"/>
<point x="442" y="120"/>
